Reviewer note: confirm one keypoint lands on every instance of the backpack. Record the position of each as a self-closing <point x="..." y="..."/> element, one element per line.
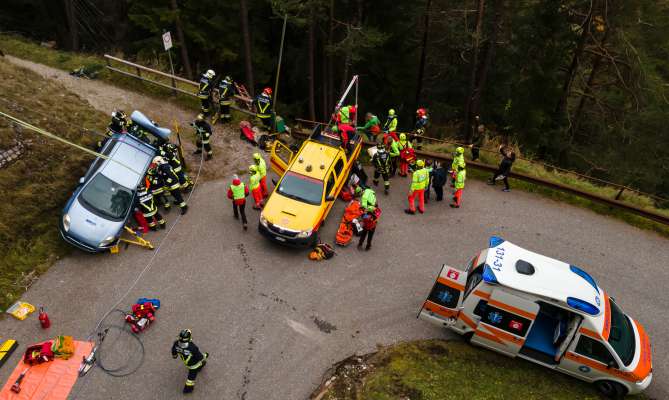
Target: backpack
<point x="326" y="249"/>
<point x="38" y="353"/>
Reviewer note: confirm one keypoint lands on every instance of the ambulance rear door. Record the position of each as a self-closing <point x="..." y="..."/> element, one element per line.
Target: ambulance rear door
<point x="445" y="299"/>
<point x="505" y="322"/>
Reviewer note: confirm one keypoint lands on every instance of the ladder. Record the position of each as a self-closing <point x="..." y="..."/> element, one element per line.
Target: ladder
<point x="244" y="95"/>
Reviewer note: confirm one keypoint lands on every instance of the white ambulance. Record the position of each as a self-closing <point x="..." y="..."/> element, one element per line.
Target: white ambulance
<point x="526" y="305"/>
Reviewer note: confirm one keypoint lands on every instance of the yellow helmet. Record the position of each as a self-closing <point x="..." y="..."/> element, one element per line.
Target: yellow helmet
<point x="403" y="136"/>
<point x="420" y="163"/>
<point x="256" y="156"/>
<point x="460" y="150"/>
<point x="253" y="169"/>
<point x="391" y="112"/>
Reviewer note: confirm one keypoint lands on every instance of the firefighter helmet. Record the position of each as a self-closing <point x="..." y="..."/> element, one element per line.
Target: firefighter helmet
<point x="200" y="117"/>
<point x="391" y="112"/>
<point x="381" y="150"/>
<point x="210" y="73"/>
<point x="227" y="78"/>
<point x="185" y="335"/>
<point x="420" y="163"/>
<point x="267" y="91"/>
<point x="421" y="112"/>
<point x="158" y="160"/>
<point x="460" y="150"/>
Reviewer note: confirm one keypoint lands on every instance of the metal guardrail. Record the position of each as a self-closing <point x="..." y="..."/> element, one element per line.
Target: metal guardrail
<point x="657" y="217"/>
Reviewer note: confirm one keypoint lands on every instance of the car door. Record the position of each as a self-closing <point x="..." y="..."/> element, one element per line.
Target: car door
<point x="280" y="157"/>
<point x="445" y="298"/>
<point x="505" y="322"/>
<point x="589" y="358"/>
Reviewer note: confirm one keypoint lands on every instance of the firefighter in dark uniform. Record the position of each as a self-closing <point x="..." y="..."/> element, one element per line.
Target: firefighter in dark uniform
<point x="226" y="89"/>
<point x="204" y="91"/>
<point x="157" y="186"/>
<point x="171" y="181"/>
<point x="203" y="135"/>
<point x="147" y="206"/>
<point x="170" y="152"/>
<point x="382" y="165"/>
<point x="422" y="121"/>
<point x="192" y="357"/>
<point x="119" y="124"/>
<point x="263" y="104"/>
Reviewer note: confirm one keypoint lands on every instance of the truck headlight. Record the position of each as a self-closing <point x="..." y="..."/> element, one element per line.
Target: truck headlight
<point x="66" y="222"/>
<point x="107" y="240"/>
<point x="305" y="234"/>
<point x="263" y="221"/>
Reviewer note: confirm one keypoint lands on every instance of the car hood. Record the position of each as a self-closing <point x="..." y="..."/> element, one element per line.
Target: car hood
<point x="291" y="214"/>
<point x="88" y="227"/>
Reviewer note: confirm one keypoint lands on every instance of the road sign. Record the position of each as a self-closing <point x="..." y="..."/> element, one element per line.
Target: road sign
<point x="167" y="40"/>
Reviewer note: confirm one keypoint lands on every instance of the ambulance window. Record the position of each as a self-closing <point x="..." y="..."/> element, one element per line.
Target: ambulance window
<point x="475" y="277"/>
<point x="594" y="349"/>
<point x="445" y="296"/>
<point x="330" y="186"/>
<point x="480" y="308"/>
<point x="505" y="320"/>
<point x="339" y="166"/>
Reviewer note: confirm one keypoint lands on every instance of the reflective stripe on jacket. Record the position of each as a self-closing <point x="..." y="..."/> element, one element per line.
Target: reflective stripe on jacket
<point x="238" y="192"/>
<point x="420" y="179"/>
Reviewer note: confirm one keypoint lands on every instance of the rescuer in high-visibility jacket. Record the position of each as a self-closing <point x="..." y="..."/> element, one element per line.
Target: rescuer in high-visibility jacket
<point x="226" y="91"/>
<point x="418" y="185"/>
<point x="382" y="165"/>
<point x="390" y="127"/>
<point x="192" y="357"/>
<point x="263" y="104"/>
<point x="368" y="200"/>
<point x="237" y="192"/>
<point x="459" y="185"/>
<point x="254" y="186"/>
<point x="458" y="161"/>
<point x="346" y="115"/>
<point x="147" y="206"/>
<point x="262" y="169"/>
<point x="204" y="91"/>
<point x="394" y="151"/>
<point x="403" y="145"/>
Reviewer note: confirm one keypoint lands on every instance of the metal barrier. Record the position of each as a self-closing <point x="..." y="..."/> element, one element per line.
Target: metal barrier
<point x="657" y="217"/>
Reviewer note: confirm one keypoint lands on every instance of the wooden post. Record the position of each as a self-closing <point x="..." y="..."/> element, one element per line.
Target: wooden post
<point x="620" y="193"/>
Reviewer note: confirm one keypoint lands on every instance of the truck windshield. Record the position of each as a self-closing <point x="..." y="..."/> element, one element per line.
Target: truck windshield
<point x="106" y="198"/>
<point x="621" y="337"/>
<point x="301" y="188"/>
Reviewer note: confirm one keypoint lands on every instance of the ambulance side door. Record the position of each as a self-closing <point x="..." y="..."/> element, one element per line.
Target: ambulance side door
<point x="280" y="157"/>
<point x="445" y="299"/>
<point x="505" y="322"/>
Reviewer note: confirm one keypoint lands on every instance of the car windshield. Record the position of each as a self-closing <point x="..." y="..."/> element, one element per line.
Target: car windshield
<point x="621" y="337"/>
<point x="106" y="197"/>
<point x="301" y="188"/>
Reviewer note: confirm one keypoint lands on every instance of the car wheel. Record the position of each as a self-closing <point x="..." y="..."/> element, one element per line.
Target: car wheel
<point x="611" y="389"/>
<point x="468" y="337"/>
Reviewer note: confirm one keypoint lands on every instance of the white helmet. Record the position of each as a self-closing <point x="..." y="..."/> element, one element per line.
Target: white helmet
<point x="210" y="73"/>
<point x="159" y="160"/>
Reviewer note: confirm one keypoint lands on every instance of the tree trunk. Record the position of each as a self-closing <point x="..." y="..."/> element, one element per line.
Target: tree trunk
<point x="182" y="40"/>
<point x="312" y="67"/>
<point x="573" y="67"/>
<point x="487" y="61"/>
<point x="474" y="66"/>
<point x="423" y="53"/>
<point x="71" y="16"/>
<point x="244" y="14"/>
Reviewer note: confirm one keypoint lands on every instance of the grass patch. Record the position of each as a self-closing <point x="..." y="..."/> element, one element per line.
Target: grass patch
<point x="438" y="370"/>
<point x="36" y="186"/>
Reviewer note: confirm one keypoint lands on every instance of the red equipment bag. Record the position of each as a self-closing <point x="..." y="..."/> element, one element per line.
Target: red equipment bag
<point x="38" y="353"/>
<point x="346" y="193"/>
<point x="144" y="310"/>
<point x="246" y="132"/>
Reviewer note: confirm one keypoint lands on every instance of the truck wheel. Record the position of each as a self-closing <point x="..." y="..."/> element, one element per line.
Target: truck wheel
<point x="611" y="389"/>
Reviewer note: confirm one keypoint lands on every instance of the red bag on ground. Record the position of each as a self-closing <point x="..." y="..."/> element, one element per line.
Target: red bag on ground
<point x="38" y="353"/>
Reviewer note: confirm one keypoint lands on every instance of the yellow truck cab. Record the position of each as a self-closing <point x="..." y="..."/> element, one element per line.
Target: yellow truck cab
<point x="311" y="180"/>
<point x="526" y="305"/>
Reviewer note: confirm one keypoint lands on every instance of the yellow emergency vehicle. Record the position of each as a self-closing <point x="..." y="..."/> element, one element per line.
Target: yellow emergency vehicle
<point x="526" y="305"/>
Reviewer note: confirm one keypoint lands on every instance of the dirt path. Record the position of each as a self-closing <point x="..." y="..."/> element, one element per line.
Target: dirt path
<point x="230" y="154"/>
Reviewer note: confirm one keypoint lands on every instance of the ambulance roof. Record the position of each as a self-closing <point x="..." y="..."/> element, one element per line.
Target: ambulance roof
<point x="314" y="159"/>
<point x="512" y="266"/>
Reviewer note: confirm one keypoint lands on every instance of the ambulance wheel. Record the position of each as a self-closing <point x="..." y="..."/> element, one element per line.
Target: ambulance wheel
<point x="611" y="389"/>
<point x="468" y="337"/>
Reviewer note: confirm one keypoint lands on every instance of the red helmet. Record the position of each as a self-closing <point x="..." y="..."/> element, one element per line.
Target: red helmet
<point x="421" y="112"/>
<point x="267" y="91"/>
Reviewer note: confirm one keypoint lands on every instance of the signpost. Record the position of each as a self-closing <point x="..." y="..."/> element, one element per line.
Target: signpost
<point x="167" y="42"/>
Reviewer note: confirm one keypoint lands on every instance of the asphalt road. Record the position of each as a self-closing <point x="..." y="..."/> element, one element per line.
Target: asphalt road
<point x="273" y="321"/>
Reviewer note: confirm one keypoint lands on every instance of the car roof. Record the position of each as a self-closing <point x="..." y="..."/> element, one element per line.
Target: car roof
<point x="127" y="161"/>
<point x="314" y="159"/>
<point x="552" y="279"/>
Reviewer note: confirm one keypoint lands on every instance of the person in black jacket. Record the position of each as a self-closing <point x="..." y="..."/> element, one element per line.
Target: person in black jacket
<point x="504" y="167"/>
<point x="439" y="177"/>
<point x="192" y="357"/>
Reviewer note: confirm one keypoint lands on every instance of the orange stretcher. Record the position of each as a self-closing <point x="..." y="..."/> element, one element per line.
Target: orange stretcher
<point x="52" y="380"/>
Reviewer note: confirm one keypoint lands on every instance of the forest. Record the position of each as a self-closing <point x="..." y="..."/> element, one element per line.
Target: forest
<point x="577" y="83"/>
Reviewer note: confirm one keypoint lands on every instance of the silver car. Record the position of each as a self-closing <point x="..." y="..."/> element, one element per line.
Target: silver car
<point x="94" y="216"/>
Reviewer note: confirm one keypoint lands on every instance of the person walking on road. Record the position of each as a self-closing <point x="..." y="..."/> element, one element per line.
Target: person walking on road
<point x="459" y="185"/>
<point x="382" y="165"/>
<point x="254" y="185"/>
<point x="509" y="157"/>
<point x="370" y="217"/>
<point x="192" y="357"/>
<point x="262" y="168"/>
<point x="368" y="199"/>
<point x="237" y="192"/>
<point x="418" y="185"/>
